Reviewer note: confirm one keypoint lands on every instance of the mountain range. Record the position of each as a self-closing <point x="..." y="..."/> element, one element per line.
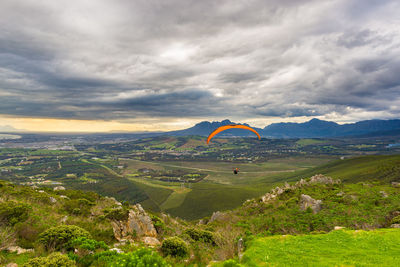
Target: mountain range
<point x="314" y="128"/>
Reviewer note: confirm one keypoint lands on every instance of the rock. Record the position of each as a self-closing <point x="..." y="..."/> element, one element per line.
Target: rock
<point x="138" y="225"/>
<point x="395" y="184"/>
<point x="59" y="188"/>
<point x="41" y="191"/>
<point x="396" y="225"/>
<point x="338" y="228"/>
<point x="65" y="197"/>
<point x="384" y="194"/>
<point x="240" y="248"/>
<point x="268" y="197"/>
<point x="340" y="194"/>
<point x="12" y="264"/>
<point x="151" y="241"/>
<point x="19" y="250"/>
<point x="307" y="201"/>
<point x="117" y="250"/>
<point x="53" y="200"/>
<point x="64" y="219"/>
<point x="279" y="191"/>
<point x="218" y="216"/>
<point x="322" y="179"/>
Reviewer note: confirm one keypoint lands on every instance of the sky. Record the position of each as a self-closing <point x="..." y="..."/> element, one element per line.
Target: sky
<point x="144" y="65"/>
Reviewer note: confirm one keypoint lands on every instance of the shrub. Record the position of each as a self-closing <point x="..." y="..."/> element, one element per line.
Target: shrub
<point x="396" y="220"/>
<point x="60" y="237"/>
<point x="54" y="259"/>
<point x="138" y="258"/>
<point x="12" y="212"/>
<point x="79" y="206"/>
<point x="174" y="246"/>
<point x="7" y="237"/>
<point x="120" y="214"/>
<point x="158" y="223"/>
<point x="231" y="263"/>
<point x="88" y="244"/>
<point x="201" y="235"/>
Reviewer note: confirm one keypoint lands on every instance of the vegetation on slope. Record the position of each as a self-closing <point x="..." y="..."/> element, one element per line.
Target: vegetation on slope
<point x="337" y="248"/>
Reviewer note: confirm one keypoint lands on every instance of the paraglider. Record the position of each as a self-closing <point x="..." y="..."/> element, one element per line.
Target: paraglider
<point x="231" y="126"/>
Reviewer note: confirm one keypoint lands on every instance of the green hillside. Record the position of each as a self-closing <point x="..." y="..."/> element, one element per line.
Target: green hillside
<point x="337" y="248"/>
<point x="384" y="168"/>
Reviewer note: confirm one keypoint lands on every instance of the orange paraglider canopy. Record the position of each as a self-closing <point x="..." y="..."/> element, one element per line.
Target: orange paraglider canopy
<point x="230" y="126"/>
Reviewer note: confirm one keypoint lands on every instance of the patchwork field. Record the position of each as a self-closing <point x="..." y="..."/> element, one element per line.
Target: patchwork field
<point x="219" y="190"/>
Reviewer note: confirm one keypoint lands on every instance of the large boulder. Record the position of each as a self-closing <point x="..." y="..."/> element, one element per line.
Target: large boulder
<point x="308" y="202"/>
<point x="138" y="225"/>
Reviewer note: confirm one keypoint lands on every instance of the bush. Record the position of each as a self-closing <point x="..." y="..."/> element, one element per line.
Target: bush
<point x="231" y="263"/>
<point x="174" y="246"/>
<point x="88" y="244"/>
<point x="79" y="206"/>
<point x="54" y="259"/>
<point x="120" y="214"/>
<point x="201" y="235"/>
<point x="158" y="223"/>
<point x="12" y="212"/>
<point x="60" y="237"/>
<point x="396" y="220"/>
<point x="138" y="258"/>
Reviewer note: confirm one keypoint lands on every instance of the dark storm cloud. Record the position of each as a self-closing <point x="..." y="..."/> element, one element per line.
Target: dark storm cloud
<point x="127" y="59"/>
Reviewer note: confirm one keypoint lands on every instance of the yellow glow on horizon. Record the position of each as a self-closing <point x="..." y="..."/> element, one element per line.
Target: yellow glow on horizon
<point x="71" y="125"/>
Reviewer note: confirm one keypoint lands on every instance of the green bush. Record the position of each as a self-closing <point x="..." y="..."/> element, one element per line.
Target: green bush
<point x="79" y="206"/>
<point x="60" y="237"/>
<point x="396" y="220"/>
<point x="53" y="260"/>
<point x="231" y="263"/>
<point x="201" y="235"/>
<point x="88" y="244"/>
<point x="12" y="212"/>
<point x="175" y="246"/>
<point x="120" y="214"/>
<point x="139" y="258"/>
<point x="158" y="223"/>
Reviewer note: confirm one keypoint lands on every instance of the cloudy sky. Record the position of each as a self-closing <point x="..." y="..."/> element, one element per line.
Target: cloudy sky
<point x="137" y="65"/>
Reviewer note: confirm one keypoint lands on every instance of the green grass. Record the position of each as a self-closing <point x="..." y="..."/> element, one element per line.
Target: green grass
<point x="337" y="248"/>
<point x="207" y="197"/>
<point x="382" y="168"/>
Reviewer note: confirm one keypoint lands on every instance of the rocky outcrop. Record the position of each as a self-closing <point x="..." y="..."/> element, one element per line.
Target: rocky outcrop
<point x="218" y="216"/>
<point x="18" y="249"/>
<point x="308" y="202"/>
<point x="59" y="188"/>
<point x="395" y="184"/>
<point x="138" y="226"/>
<point x="316" y="179"/>
<point x="322" y="179"/>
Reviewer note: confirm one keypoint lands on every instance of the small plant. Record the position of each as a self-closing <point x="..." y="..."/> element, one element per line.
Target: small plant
<point x="175" y="246"/>
<point x="54" y="259"/>
<point x="60" y="237"/>
<point x="396" y="220"/>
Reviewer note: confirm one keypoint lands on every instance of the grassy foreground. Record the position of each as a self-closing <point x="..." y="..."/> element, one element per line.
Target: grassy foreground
<point x="337" y="248"/>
